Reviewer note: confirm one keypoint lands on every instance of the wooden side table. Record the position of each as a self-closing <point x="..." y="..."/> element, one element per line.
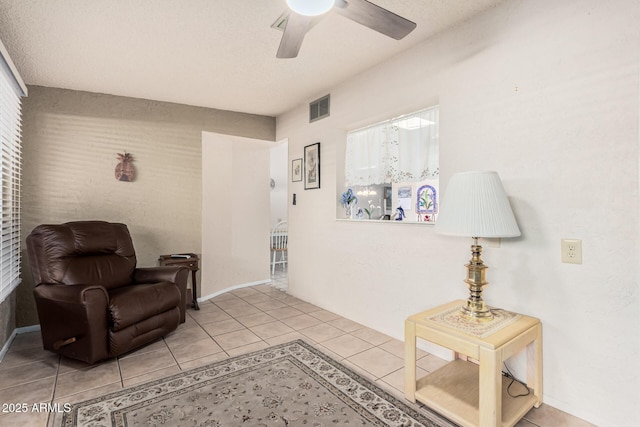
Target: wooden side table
<point x="187" y="260"/>
<point x="474" y="394"/>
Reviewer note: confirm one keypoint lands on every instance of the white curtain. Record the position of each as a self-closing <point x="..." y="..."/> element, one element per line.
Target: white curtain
<point x="398" y="150"/>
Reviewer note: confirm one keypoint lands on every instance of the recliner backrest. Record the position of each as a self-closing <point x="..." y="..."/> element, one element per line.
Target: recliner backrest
<point x="83" y="252"/>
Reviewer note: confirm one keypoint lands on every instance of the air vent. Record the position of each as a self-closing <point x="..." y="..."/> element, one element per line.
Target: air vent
<point x="319" y="109"/>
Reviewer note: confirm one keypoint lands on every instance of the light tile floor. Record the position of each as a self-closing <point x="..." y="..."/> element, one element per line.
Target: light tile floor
<point x="236" y="322"/>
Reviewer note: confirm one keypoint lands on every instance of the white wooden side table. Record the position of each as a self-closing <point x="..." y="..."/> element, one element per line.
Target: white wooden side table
<point x="473" y="394"/>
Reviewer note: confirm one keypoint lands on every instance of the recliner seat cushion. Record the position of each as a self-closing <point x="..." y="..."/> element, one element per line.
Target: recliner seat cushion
<point x="130" y="304"/>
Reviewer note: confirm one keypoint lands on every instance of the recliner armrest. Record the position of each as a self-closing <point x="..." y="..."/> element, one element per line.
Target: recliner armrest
<point x="169" y="273"/>
<point x="159" y="274"/>
<point x="70" y="294"/>
<point x="74" y="311"/>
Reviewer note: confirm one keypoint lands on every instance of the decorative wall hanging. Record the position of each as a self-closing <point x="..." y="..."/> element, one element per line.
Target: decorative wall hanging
<point x="312" y="166"/>
<point x="404" y="198"/>
<point x="427" y="200"/>
<point x="427" y="204"/>
<point x="124" y="169"/>
<point x="296" y="170"/>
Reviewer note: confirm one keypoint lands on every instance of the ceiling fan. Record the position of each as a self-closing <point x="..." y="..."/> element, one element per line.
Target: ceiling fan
<point x="306" y="13"/>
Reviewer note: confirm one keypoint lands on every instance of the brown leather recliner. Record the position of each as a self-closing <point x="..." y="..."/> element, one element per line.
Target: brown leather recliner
<point x="93" y="303"/>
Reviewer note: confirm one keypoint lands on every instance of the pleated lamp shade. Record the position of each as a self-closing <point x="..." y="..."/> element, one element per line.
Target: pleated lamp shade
<point x="475" y="205"/>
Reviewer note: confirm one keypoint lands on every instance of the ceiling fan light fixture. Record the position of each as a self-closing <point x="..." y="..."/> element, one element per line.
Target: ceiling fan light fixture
<point x="310" y="7"/>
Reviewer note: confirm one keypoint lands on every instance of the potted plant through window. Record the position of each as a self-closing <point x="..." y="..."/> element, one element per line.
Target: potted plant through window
<point x="348" y="201"/>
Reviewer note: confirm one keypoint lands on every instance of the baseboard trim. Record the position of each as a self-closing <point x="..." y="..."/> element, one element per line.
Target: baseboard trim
<point x="27" y="329"/>
<point x="233" y="288"/>
<point x="6" y="346"/>
<point x="17" y="331"/>
<point x="572" y="410"/>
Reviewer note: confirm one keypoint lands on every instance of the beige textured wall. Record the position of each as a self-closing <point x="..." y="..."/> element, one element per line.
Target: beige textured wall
<point x="7" y="318"/>
<point x="71" y="140"/>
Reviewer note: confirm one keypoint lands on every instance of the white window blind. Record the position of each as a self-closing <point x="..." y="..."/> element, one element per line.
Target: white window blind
<point x="404" y="149"/>
<point x="11" y="90"/>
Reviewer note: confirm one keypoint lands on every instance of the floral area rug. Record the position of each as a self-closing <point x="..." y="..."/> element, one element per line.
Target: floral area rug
<point x="291" y="384"/>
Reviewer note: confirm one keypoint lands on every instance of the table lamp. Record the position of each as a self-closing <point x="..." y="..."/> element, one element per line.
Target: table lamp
<point x="475" y="205"/>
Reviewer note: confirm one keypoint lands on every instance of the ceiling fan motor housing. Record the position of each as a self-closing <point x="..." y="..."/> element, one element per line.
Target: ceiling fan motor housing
<point x="363" y="12"/>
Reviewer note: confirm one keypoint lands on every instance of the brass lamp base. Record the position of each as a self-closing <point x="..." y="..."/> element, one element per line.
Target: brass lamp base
<point x="475" y="306"/>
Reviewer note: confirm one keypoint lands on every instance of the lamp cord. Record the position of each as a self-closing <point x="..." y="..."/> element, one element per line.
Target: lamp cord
<point x="508" y="374"/>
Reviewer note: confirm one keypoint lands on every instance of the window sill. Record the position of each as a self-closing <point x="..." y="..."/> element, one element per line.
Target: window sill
<point x="380" y="221"/>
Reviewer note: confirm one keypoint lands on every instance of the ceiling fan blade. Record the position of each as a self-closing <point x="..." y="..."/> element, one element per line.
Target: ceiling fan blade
<point x="297" y="27"/>
<point x="375" y="17"/>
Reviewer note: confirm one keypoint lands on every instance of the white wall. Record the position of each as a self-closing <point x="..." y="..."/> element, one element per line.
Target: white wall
<point x="279" y="173"/>
<point x="235" y="212"/>
<point x="546" y="93"/>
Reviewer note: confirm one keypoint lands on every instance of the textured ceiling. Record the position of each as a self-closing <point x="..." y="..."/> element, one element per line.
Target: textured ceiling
<point x="210" y="53"/>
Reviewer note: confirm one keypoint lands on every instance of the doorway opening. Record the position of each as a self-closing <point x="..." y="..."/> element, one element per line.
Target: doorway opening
<point x="279" y="256"/>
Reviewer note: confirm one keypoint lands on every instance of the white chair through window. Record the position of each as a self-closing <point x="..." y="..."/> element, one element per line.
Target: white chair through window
<point x="279" y="237"/>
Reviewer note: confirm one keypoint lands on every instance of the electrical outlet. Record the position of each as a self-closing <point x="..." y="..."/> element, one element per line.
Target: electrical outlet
<point x="571" y="251"/>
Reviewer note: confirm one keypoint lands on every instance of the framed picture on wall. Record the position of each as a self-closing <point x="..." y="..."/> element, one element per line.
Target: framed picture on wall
<point x="296" y="170"/>
<point x="312" y="166"/>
